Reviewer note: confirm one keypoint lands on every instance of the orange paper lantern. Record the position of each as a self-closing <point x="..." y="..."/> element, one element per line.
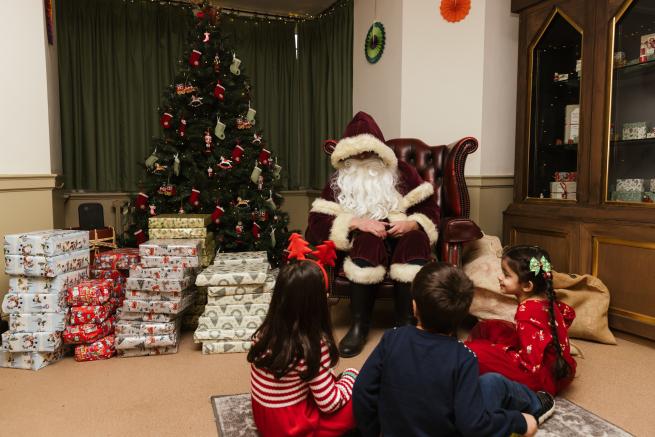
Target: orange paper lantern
<point x="455" y="10"/>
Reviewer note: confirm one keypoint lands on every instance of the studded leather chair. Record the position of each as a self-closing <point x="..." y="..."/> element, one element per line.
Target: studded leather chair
<point x="443" y="166"/>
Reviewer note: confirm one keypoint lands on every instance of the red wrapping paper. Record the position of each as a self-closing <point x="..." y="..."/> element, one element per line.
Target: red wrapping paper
<point x="84" y="314"/>
<point x="91" y="292"/>
<point x="88" y="333"/>
<point x="100" y="350"/>
<point x="117" y="259"/>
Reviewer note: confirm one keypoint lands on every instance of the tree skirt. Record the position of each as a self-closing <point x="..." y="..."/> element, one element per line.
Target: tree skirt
<point x="233" y="417"/>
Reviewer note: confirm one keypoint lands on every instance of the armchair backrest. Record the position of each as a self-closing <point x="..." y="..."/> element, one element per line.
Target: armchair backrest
<point x="443" y="166"/>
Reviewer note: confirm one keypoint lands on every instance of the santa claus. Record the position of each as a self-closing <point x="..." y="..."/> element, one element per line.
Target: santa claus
<point x="383" y="215"/>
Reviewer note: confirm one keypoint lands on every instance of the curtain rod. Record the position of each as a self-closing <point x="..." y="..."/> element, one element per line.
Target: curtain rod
<point x="235" y="11"/>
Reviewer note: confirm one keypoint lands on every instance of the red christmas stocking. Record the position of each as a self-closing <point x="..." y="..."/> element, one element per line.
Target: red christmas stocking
<point x="194" y="59"/>
<point x="141" y="201"/>
<point x="237" y="153"/>
<point x="194" y="198"/>
<point x="217" y="214"/>
<point x="165" y="120"/>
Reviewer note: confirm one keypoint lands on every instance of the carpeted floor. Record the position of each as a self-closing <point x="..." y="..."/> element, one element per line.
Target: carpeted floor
<point x="234" y="419"/>
<point x="170" y="395"/>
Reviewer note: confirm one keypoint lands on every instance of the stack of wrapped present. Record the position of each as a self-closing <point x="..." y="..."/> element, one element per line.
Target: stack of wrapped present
<point x="159" y="289"/>
<point x="239" y="288"/>
<point x="94" y="304"/>
<point x="187" y="226"/>
<point x="42" y="265"/>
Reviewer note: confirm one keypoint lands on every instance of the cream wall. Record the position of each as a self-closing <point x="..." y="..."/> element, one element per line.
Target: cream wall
<point x="455" y="80"/>
<point x="377" y="87"/>
<point x="30" y="151"/>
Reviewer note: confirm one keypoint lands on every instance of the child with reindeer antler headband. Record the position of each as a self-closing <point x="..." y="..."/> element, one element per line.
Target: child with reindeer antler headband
<point x="295" y="391"/>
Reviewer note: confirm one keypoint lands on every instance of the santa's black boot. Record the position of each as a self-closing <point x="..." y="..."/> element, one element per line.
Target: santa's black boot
<point x="402" y="299"/>
<point x="362" y="299"/>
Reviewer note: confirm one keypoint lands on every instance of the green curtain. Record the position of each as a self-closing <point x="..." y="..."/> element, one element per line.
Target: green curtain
<point x="115" y="58"/>
<point x="268" y="57"/>
<point x="326" y="81"/>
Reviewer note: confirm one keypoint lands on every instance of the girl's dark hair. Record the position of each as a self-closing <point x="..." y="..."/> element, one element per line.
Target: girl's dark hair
<point x="297" y="322"/>
<point x="518" y="259"/>
<point x="443" y="295"/>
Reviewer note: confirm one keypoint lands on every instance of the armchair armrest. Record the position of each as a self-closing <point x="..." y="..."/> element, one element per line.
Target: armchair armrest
<point x="454" y="183"/>
<point x="454" y="231"/>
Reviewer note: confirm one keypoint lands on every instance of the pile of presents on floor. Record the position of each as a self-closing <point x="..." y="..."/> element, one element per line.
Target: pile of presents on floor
<point x="129" y="302"/>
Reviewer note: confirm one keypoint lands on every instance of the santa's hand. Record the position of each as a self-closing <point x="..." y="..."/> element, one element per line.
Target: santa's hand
<point x="400" y="228"/>
<point x="374" y="227"/>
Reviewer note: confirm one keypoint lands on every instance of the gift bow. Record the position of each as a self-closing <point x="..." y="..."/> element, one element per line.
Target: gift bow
<point x="539" y="265"/>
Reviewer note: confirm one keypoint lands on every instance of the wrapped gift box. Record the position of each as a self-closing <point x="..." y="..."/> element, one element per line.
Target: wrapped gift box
<point x="230" y="290"/>
<point x="36" y="285"/>
<point x="563" y="196"/>
<point x="225" y="347"/>
<point x="563" y="190"/>
<point x="38" y="322"/>
<point x="179" y="221"/>
<point x="169" y="296"/>
<point x="118" y="276"/>
<point x="46" y="266"/>
<point x="565" y="176"/>
<point x="134" y="316"/>
<point x="138" y="328"/>
<point x="29" y="360"/>
<point x="240" y="299"/>
<point x="647" y="47"/>
<point x="84" y="314"/>
<point x="255" y="309"/>
<point x="46" y="243"/>
<point x="100" y="350"/>
<point x="88" y="333"/>
<point x="145" y="341"/>
<point x="31" y="341"/>
<point x="634" y="185"/>
<point x="157" y="306"/>
<point x="90" y="292"/>
<point x="117" y="259"/>
<point x="241" y="274"/>
<point x="160" y="272"/>
<point x="144" y="352"/>
<point x="210" y="335"/>
<point x="15" y="303"/>
<point x="214" y="321"/>
<point x="170" y="247"/>
<point x="160" y="233"/>
<point x="148" y="284"/>
<point x="635" y="131"/>
<point x="161" y="261"/>
<point x="627" y="196"/>
<point x="233" y="258"/>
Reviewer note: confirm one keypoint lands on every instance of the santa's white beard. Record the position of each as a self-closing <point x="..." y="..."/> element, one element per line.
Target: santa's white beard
<point x="367" y="188"/>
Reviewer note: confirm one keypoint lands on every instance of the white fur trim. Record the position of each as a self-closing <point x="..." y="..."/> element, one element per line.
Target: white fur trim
<point x="404" y="272"/>
<point x="352" y="146"/>
<point x="427" y="225"/>
<point x="396" y="216"/>
<point x="417" y="195"/>
<point x="340" y="230"/>
<point x="326" y="207"/>
<point x="363" y="275"/>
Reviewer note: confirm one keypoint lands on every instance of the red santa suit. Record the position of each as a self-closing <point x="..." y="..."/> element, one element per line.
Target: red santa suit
<point x="329" y="221"/>
<point x="523" y="351"/>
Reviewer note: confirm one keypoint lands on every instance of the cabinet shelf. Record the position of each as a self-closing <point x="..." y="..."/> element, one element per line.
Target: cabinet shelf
<point x="634" y="143"/>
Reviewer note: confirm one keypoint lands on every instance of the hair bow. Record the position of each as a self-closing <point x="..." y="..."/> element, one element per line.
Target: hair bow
<point x="542" y="265"/>
<point x="325" y="253"/>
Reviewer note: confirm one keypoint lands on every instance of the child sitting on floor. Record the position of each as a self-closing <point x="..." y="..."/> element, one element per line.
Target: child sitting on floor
<point x="421" y="380"/>
<point x="535" y="351"/>
<point x="294" y="389"/>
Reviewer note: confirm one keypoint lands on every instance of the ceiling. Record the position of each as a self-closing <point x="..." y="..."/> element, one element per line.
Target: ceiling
<point x="277" y="7"/>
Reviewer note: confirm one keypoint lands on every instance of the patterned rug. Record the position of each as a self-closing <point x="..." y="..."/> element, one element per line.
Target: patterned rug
<point x="234" y="419"/>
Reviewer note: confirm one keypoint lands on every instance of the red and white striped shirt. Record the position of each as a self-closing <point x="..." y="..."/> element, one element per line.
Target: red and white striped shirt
<point x="329" y="393"/>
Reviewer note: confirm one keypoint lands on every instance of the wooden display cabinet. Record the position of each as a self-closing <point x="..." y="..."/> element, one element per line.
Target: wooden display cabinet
<point x="586" y="110"/>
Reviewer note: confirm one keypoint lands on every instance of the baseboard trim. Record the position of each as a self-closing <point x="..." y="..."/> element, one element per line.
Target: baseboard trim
<point x="27" y="182"/>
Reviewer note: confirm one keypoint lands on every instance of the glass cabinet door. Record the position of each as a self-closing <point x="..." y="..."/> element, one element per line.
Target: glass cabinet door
<point x="556" y="67"/>
<point x="631" y="144"/>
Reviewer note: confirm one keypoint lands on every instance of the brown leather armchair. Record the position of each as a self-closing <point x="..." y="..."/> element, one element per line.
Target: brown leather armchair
<point x="444" y="167"/>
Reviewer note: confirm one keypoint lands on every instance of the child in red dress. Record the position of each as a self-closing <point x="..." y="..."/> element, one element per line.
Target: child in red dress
<point x="535" y="350"/>
<point x="294" y="389"/>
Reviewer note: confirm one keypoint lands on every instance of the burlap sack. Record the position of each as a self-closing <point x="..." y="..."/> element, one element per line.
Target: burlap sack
<point x="585" y="293"/>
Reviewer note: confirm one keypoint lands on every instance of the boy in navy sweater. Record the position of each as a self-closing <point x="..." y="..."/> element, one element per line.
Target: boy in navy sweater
<point x="422" y="381"/>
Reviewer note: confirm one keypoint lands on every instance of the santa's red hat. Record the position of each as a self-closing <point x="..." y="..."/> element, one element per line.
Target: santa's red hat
<point x="362" y="135"/>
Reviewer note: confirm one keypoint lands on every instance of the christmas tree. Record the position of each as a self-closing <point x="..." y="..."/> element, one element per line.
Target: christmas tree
<point x="212" y="157"/>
